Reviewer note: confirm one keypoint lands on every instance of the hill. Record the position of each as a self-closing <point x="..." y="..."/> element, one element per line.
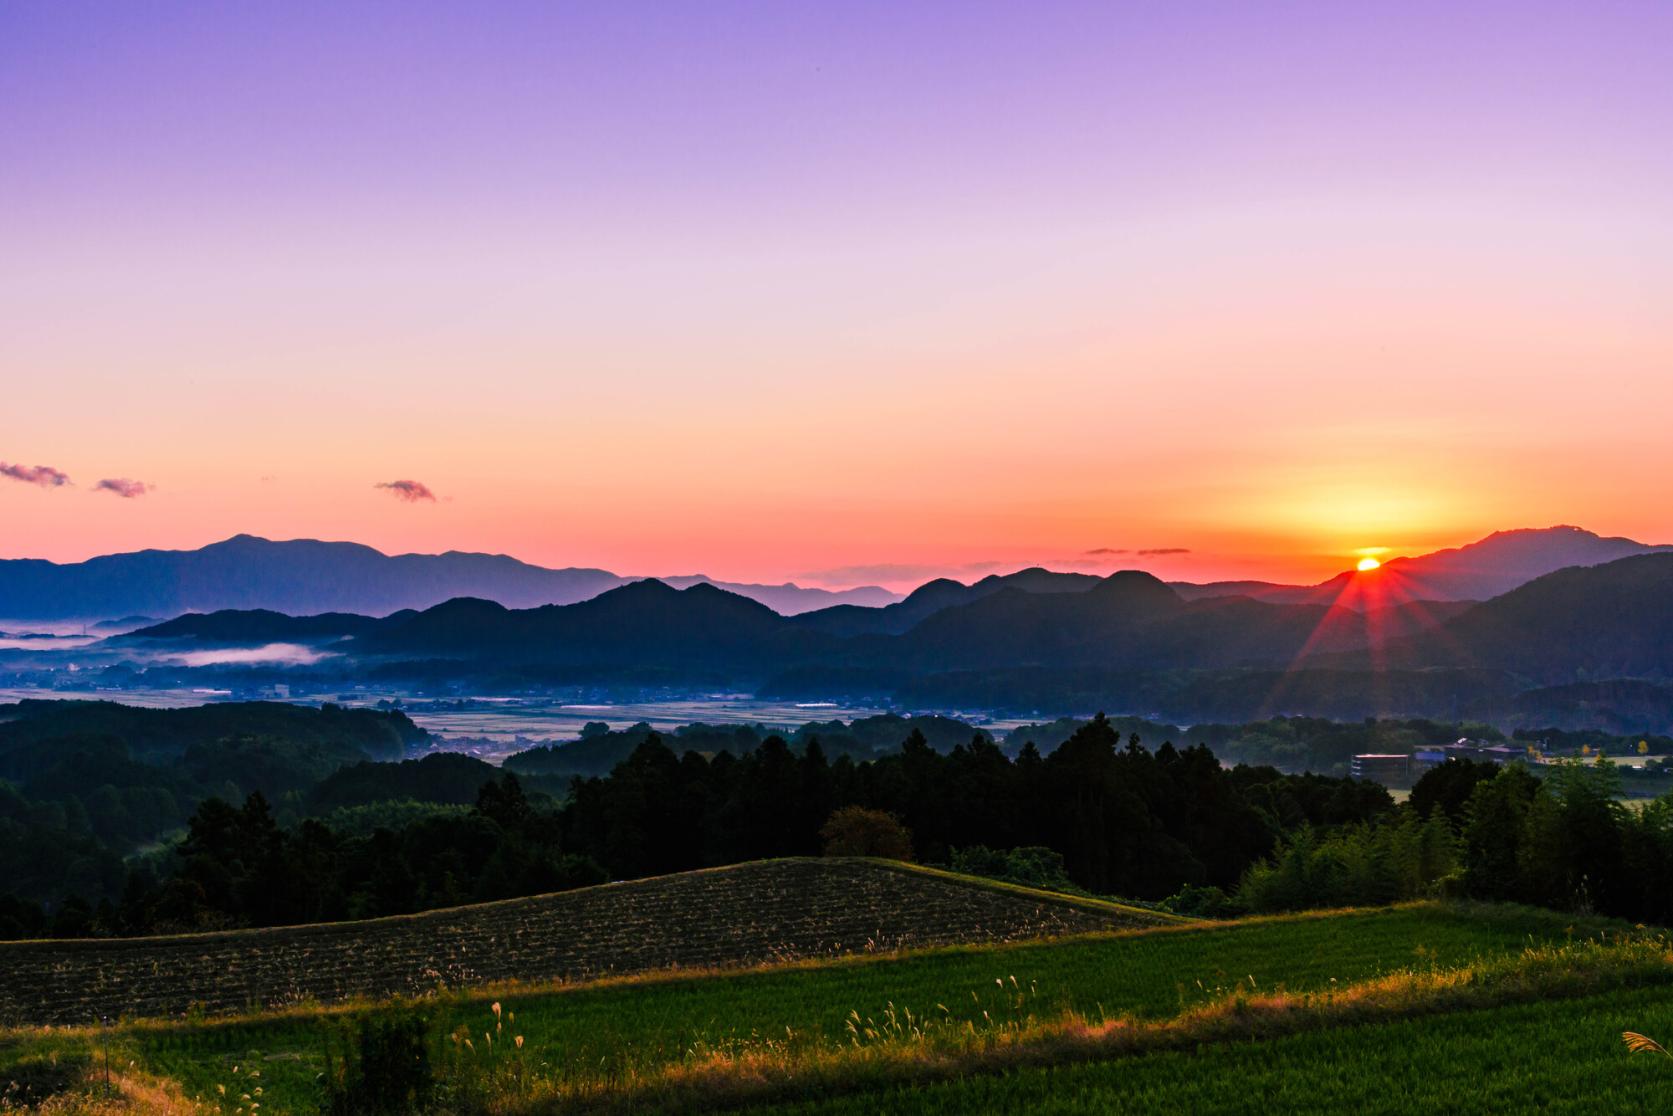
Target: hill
<point x="742" y="915"/>
<point x="934" y="596"/>
<point x="1580" y="624"/>
<point x="33" y="732"/>
<point x="1129" y="618"/>
<point x="307" y="576"/>
<point x="642" y="625"/>
<point x="790" y="599"/>
<point x="237" y="626"/>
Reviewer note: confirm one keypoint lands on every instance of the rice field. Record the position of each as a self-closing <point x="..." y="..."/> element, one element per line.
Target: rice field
<point x="631" y="1029"/>
<point x="1561" y="1056"/>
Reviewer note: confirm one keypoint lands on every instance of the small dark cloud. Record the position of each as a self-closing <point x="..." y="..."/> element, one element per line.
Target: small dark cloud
<point x="123" y="487"/>
<point x="410" y="491"/>
<point x="44" y="475"/>
<point x="1106" y="550"/>
<point x="1156" y="551"/>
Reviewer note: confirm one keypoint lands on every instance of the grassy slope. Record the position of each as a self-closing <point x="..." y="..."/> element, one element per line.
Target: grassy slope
<point x="650" y="1022"/>
<point x="1124" y="911"/>
<point x="1561" y="1056"/>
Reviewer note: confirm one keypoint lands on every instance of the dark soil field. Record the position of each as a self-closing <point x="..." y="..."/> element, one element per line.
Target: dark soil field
<point x="743" y="915"/>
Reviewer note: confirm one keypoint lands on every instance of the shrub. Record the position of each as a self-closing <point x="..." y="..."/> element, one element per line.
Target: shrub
<point x="381" y="1065"/>
<point x="858" y="831"/>
<point x="1202" y="902"/>
<point x="28" y="1081"/>
<point x="1034" y="865"/>
<point x="1358" y="865"/>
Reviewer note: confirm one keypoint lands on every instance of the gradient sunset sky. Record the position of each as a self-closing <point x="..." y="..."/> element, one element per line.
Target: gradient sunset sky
<point x="839" y="292"/>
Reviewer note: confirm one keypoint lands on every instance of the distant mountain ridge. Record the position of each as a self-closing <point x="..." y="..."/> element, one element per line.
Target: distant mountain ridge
<point x="1578" y="624"/>
<point x="309" y="577"/>
<point x="1477" y="571"/>
<point x="1613" y="621"/>
<point x="1585" y="646"/>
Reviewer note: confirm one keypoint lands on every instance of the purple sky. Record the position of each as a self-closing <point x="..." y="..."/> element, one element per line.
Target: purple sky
<point x="1267" y="282"/>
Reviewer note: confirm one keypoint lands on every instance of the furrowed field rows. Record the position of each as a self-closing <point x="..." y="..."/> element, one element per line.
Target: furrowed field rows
<point x="764" y="911"/>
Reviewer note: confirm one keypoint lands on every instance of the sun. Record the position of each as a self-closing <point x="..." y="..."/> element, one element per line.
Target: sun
<point x="1367" y="564"/>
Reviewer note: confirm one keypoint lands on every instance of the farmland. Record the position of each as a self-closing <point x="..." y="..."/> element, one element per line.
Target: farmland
<point x="1559" y="1056"/>
<point x="628" y="1029"/>
<point x="743" y="915"/>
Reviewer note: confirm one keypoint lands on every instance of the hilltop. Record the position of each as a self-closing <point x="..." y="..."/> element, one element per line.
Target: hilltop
<point x="741" y="915"/>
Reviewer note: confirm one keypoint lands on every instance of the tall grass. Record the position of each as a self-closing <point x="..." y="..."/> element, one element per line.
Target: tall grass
<point x="921" y="1050"/>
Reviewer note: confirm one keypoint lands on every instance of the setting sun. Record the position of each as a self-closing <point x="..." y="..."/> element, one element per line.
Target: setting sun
<point x="1368" y="564"/>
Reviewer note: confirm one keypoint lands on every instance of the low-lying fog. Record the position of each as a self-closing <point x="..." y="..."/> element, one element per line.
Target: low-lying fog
<point x="268" y="654"/>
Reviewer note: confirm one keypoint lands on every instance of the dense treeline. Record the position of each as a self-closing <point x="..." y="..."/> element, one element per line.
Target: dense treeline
<point x="1090" y="808"/>
<point x="86" y="788"/>
<point x="1563" y="840"/>
<point x="1124" y="819"/>
<point x="89" y="788"/>
<point x="238" y="867"/>
<point x="1289" y="743"/>
<point x="600" y="748"/>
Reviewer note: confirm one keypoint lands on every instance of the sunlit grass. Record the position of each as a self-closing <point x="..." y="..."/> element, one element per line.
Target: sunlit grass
<point x="939" y="1050"/>
<point x="1556" y="1056"/>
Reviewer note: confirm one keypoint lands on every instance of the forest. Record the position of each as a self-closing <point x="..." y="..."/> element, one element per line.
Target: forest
<point x="1124" y="819"/>
<point x="247" y="830"/>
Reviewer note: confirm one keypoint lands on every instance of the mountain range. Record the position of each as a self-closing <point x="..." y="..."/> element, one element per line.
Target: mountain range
<point x="1599" y="621"/>
<point x="306" y="576"/>
<point x="309" y="577"/>
<point x="996" y="641"/>
<point x="1588" y="642"/>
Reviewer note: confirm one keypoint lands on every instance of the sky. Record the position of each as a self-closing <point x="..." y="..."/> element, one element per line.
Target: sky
<point x="843" y="293"/>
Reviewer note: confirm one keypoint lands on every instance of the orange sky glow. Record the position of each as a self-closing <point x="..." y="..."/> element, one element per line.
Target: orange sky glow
<point x="911" y="324"/>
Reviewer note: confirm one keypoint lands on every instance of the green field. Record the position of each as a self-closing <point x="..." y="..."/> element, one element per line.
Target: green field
<point x="610" y="1031"/>
<point x="1561" y="1056"/>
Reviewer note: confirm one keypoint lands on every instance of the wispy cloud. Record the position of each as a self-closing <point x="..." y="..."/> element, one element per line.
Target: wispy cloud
<point x="410" y="491"/>
<point x="44" y="475"/>
<point x="123" y="487"/>
<point x="1146" y="552"/>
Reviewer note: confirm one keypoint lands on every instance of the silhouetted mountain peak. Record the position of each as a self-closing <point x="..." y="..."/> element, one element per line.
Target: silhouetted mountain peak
<point x="938" y="587"/>
<point x="466" y="608"/>
<point x="649" y="588"/>
<point x="1037" y="579"/>
<point x="1136" y="585"/>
